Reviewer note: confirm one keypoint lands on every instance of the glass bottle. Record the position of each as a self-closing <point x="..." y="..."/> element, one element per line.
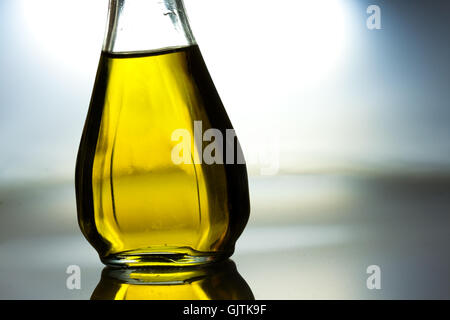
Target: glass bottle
<point x="147" y="194"/>
<point x="217" y="281"/>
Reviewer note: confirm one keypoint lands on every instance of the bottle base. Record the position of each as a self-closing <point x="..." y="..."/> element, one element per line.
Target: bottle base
<point x="165" y="259"/>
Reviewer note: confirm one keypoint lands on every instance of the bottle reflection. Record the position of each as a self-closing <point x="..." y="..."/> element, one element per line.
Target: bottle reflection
<point x="219" y="281"/>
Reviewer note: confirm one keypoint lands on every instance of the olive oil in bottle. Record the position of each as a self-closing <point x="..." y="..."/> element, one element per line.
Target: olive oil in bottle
<point x="136" y="206"/>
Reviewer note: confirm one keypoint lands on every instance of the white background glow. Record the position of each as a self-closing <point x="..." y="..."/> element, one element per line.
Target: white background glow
<point x="302" y="77"/>
<point x="259" y="53"/>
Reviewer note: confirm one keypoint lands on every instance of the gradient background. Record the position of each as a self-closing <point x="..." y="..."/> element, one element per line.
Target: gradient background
<point x="355" y="121"/>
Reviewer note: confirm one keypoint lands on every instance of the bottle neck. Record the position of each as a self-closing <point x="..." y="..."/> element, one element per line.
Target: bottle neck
<point x="146" y="25"/>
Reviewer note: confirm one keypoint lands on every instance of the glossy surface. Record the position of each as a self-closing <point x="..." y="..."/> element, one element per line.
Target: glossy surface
<point x="318" y="246"/>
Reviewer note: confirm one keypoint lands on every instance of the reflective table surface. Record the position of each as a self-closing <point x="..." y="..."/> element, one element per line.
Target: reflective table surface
<point x="309" y="237"/>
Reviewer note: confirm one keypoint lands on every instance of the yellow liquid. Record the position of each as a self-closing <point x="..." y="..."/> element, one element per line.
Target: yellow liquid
<point x="135" y="205"/>
<point x="218" y="282"/>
